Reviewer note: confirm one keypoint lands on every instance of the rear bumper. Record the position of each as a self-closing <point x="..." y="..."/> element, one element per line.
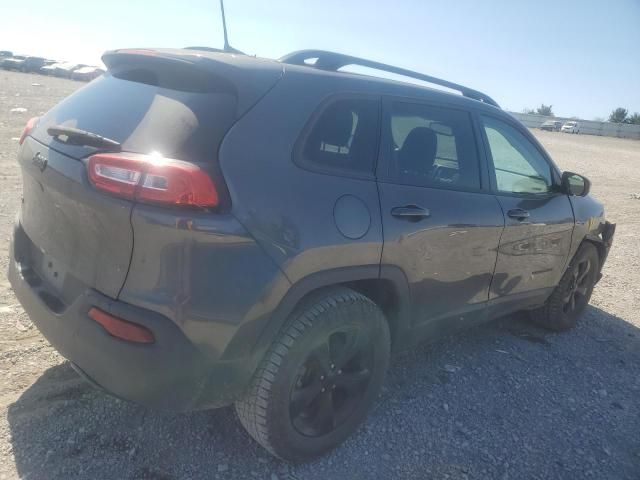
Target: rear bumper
<point x="171" y="373"/>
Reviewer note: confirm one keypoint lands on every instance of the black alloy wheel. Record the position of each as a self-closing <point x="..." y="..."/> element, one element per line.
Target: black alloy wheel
<point x="332" y="382"/>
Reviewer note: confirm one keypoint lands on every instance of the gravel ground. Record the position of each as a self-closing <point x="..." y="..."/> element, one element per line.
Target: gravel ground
<point x="504" y="400"/>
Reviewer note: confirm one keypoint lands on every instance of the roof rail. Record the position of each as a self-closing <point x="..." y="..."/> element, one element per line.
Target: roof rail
<point x="332" y="61"/>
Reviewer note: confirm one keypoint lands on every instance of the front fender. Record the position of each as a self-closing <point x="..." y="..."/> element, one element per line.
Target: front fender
<point x="591" y="225"/>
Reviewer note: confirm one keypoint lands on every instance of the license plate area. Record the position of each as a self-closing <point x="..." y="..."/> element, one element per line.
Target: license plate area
<point x="48" y="269"/>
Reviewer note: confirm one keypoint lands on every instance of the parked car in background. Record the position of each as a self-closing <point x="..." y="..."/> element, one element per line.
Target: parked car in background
<point x="50" y="68"/>
<point x="47" y="63"/>
<point x="5" y="54"/>
<point x="33" y="64"/>
<point x="13" y="63"/>
<point x="65" y="69"/>
<point x="386" y="213"/>
<point x="551" y="126"/>
<point x="571" y="127"/>
<point x="86" y="74"/>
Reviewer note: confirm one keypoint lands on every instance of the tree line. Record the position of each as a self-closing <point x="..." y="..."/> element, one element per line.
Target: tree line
<point x="619" y="115"/>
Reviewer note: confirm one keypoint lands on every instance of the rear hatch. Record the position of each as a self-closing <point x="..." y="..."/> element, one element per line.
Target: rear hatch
<point x="169" y="102"/>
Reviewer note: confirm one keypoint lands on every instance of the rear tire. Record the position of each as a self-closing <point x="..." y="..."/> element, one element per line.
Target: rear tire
<point x="319" y="379"/>
<point x="569" y="299"/>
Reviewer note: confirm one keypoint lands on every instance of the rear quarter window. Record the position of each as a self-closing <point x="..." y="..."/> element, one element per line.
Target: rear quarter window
<point x="341" y="138"/>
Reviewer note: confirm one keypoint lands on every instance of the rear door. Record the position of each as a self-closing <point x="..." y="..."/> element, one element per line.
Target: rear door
<point x="440" y="226"/>
<point x="539" y="219"/>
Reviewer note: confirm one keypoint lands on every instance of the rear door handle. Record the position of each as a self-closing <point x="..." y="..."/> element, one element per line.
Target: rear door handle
<point x="518" y="214"/>
<point x="410" y="212"/>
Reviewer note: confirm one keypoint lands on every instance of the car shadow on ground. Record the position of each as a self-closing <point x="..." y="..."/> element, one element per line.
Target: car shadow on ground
<point x="503" y="400"/>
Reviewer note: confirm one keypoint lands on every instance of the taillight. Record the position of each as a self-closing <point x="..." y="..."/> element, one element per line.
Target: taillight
<point x="116" y="174"/>
<point x="122" y="329"/>
<point x="152" y="179"/>
<point x="31" y="123"/>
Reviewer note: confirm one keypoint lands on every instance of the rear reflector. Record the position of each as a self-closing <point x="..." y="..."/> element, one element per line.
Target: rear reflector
<point x="31" y="123"/>
<point x="122" y="329"/>
<point x="152" y="179"/>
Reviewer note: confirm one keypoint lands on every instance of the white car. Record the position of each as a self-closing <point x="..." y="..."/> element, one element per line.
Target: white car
<point x="571" y="127"/>
<point x="86" y="74"/>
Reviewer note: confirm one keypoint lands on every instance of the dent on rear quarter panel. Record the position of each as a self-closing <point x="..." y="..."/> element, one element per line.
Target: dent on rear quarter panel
<point x="289" y="210"/>
<point x="204" y="272"/>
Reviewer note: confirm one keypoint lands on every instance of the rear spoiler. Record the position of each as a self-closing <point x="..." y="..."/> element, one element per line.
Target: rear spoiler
<point x="248" y="78"/>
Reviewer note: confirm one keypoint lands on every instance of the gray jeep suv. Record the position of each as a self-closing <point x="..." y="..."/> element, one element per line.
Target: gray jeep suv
<point x="203" y="228"/>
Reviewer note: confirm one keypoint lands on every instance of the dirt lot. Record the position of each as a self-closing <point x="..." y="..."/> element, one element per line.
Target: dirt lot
<point x="503" y="401"/>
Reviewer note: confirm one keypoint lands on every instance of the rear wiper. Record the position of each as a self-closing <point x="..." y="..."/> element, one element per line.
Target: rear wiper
<point x="75" y="136"/>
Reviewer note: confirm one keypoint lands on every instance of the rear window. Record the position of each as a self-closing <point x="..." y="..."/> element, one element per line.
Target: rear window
<point x="145" y="114"/>
<point x="342" y="138"/>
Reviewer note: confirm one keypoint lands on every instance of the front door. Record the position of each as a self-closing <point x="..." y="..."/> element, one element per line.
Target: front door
<point x="539" y="219"/>
<point x="439" y="225"/>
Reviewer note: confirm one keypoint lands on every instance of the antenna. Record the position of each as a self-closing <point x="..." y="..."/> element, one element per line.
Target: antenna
<point x="227" y="47"/>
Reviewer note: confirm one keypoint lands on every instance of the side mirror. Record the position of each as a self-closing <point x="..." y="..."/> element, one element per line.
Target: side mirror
<point x="574" y="184"/>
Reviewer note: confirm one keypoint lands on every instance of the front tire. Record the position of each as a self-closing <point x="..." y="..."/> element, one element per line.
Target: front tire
<point x="319" y="379"/>
<point x="570" y="298"/>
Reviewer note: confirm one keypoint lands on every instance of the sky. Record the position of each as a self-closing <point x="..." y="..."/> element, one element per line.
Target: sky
<point x="581" y="56"/>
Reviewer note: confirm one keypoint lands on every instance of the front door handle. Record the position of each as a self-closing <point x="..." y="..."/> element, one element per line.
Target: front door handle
<point x="410" y="212"/>
<point x="518" y="214"/>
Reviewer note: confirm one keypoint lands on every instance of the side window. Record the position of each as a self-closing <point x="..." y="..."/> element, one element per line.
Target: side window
<point x="518" y="165"/>
<point x="343" y="138"/>
<point x="431" y="146"/>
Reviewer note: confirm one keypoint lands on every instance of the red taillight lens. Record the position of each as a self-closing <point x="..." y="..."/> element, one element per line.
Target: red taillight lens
<point x="152" y="179"/>
<point x="31" y="123"/>
<point x="122" y="329"/>
<point x="178" y="183"/>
